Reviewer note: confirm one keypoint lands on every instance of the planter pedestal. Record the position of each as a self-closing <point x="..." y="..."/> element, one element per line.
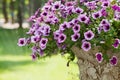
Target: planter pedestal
<point x="90" y="69"/>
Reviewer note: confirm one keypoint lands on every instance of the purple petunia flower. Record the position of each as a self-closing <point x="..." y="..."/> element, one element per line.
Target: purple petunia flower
<point x="71" y="24"/>
<point x="38" y="33"/>
<point x="44" y="14"/>
<point x="69" y="10"/>
<point x="89" y="35"/>
<point x="32" y="18"/>
<point x="83" y="18"/>
<point x="35" y="39"/>
<point x="45" y="29"/>
<point x="34" y="57"/>
<point x="46" y="7"/>
<point x="43" y="43"/>
<point x="75" y="36"/>
<point x="55" y="20"/>
<point x="34" y="49"/>
<point x="99" y="57"/>
<point x="75" y="21"/>
<point x="64" y="47"/>
<point x="34" y="27"/>
<point x="113" y="61"/>
<point x="118" y="0"/>
<point x="78" y="10"/>
<point x="86" y="46"/>
<point x="28" y="40"/>
<point x="41" y="52"/>
<point x="61" y="38"/>
<point x="105" y="24"/>
<point x="31" y="31"/>
<point x="76" y="28"/>
<point x="21" y="42"/>
<point x="70" y="3"/>
<point x="82" y="1"/>
<point x="117" y="15"/>
<point x="116" y="8"/>
<point x="100" y="28"/>
<point x="51" y="18"/>
<point x="116" y="43"/>
<point x="64" y="26"/>
<point x="56" y="5"/>
<point x="57" y="33"/>
<point x="104" y="12"/>
<point x="91" y="5"/>
<point x="106" y="28"/>
<point x="39" y="19"/>
<point x="96" y="15"/>
<point x="105" y="4"/>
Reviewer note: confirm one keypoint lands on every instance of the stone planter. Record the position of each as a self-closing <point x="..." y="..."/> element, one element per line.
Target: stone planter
<point x="90" y="69"/>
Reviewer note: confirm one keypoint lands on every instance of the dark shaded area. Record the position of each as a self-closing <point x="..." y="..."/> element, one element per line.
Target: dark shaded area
<point x="4" y="9"/>
<point x="9" y="65"/>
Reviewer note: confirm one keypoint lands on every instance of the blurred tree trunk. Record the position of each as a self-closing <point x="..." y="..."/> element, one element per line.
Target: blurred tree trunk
<point x="35" y="5"/>
<point x="12" y="10"/>
<point x="4" y="8"/>
<point x="30" y="7"/>
<point x="90" y="69"/>
<point x="20" y="12"/>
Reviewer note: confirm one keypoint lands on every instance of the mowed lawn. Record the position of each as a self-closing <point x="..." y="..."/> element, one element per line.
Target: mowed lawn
<point x="16" y="63"/>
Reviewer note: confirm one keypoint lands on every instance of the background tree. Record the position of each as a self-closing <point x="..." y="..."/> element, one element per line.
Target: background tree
<point x="20" y="12"/>
<point x="4" y="9"/>
<point x="12" y="8"/>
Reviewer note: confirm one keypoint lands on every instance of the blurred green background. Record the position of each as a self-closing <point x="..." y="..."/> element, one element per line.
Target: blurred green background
<point x="16" y="62"/>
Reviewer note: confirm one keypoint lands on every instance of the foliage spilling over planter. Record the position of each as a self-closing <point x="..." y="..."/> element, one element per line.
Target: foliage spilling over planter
<point x="61" y="24"/>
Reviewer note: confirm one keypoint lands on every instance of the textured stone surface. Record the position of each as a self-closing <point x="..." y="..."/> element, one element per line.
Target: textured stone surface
<point x="90" y="69"/>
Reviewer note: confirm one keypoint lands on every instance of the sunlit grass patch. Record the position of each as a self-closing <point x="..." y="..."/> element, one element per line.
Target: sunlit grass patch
<point x="23" y="68"/>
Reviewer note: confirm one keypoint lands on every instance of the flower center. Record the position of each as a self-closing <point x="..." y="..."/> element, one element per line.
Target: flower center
<point x="89" y="35"/>
<point x="105" y="4"/>
<point x="56" y="6"/>
<point x="76" y="27"/>
<point x="43" y="42"/>
<point x="64" y="26"/>
<point x="78" y="11"/>
<point x="96" y="15"/>
<point x="21" y="42"/>
<point x="35" y="39"/>
<point x="62" y="37"/>
<point x="86" y="45"/>
<point x="107" y="27"/>
<point x="83" y="18"/>
<point x="76" y="36"/>
<point x="45" y="14"/>
<point x="99" y="57"/>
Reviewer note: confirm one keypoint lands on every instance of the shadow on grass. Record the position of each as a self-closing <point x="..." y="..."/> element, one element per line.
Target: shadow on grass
<point x="9" y="39"/>
<point x="9" y="65"/>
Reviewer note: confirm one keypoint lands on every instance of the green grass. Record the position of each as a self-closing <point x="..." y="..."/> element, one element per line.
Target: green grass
<point x="8" y="42"/>
<point x="22" y="68"/>
<point x="16" y="64"/>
